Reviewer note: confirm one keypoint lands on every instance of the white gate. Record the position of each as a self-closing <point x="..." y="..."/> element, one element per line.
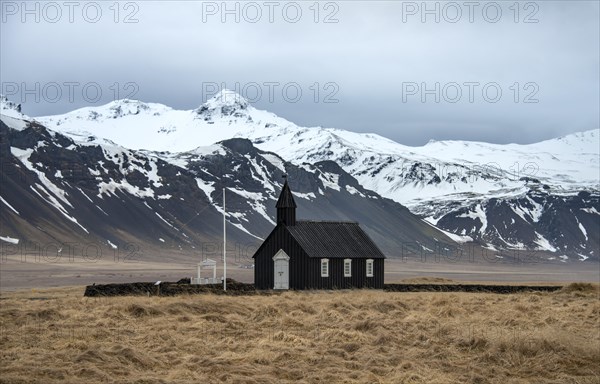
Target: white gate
<point x="281" y="264"/>
<point x="206" y="264"/>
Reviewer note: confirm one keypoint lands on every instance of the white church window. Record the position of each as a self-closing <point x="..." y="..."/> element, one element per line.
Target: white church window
<point x="324" y="267"/>
<point x="347" y="267"/>
<point x="369" y="267"/>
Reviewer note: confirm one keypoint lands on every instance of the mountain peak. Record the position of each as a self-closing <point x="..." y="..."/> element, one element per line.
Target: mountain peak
<point x="124" y="107"/>
<point x="228" y="97"/>
<point x="227" y="101"/>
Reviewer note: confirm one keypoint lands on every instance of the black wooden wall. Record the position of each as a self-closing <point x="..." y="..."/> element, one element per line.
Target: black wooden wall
<point x="305" y="272"/>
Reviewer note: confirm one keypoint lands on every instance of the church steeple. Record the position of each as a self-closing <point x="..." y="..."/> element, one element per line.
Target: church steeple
<point x="286" y="206"/>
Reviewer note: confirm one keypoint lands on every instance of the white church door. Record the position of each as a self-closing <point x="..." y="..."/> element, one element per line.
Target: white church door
<point x="281" y="263"/>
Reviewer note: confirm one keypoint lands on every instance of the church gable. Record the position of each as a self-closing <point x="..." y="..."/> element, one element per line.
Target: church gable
<point x="279" y="238"/>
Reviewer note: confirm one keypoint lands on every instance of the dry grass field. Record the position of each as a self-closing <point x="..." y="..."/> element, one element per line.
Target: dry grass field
<point x="56" y="335"/>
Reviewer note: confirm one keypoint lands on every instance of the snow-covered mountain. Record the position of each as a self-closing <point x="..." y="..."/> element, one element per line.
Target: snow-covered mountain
<point x="107" y="199"/>
<point x="409" y="175"/>
<point x="137" y="125"/>
<point x="541" y="196"/>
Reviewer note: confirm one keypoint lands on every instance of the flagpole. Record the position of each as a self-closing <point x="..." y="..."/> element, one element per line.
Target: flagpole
<point x="224" y="247"/>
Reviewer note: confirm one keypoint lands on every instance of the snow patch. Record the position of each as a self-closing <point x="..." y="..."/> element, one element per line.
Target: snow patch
<point x="112" y="186"/>
<point x="537" y="210"/>
<point x="247" y="195"/>
<point x="86" y="196"/>
<point x="453" y="236"/>
<point x="582" y="229"/>
<point x="491" y="247"/>
<point x="544" y="244"/>
<point x="241" y="227"/>
<point x="264" y="178"/>
<point x="255" y="201"/>
<point x="206" y="187"/>
<point x="354" y="191"/>
<point x="93" y="172"/>
<point x="23" y="156"/>
<point x="432" y="220"/>
<point x="275" y="160"/>
<point x="9" y="206"/>
<point x="163" y="219"/>
<point x="306" y="196"/>
<point x="14" y="123"/>
<point x="102" y="210"/>
<point x="330" y="180"/>
<point x="9" y="239"/>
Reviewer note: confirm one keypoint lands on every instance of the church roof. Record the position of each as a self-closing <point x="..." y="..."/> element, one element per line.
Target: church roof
<point x="286" y="199"/>
<point x="334" y="239"/>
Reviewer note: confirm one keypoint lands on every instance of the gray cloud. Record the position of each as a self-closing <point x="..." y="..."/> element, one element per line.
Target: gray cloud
<point x="364" y="61"/>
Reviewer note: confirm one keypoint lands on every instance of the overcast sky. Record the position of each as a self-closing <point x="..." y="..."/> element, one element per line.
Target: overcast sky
<point x="364" y="66"/>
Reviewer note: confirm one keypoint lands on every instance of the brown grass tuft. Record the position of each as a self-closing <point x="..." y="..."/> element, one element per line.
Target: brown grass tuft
<point x="142" y="310"/>
<point x="581" y="287"/>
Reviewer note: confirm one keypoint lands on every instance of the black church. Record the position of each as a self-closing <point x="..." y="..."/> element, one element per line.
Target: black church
<point x="301" y="254"/>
